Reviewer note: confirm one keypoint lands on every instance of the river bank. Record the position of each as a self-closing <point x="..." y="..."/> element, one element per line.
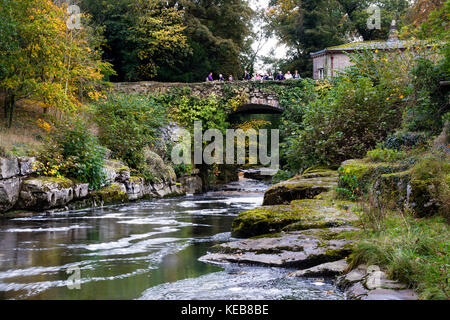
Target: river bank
<point x="303" y="226"/>
<point x="23" y="192"/>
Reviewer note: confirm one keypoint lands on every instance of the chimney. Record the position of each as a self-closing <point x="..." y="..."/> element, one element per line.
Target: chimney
<point x="393" y="32"/>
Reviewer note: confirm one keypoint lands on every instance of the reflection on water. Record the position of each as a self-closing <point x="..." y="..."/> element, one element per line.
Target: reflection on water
<point x="146" y="250"/>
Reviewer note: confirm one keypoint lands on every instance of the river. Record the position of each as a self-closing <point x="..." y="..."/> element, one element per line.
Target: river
<point x="144" y="250"/>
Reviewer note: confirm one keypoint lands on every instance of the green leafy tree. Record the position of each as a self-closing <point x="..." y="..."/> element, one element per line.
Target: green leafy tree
<point x="307" y="26"/>
<point x="41" y="59"/>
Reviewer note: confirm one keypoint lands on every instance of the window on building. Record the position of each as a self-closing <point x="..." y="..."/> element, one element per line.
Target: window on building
<point x="321" y="73"/>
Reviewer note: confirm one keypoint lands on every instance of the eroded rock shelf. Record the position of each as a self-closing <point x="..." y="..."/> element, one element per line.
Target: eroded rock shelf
<point x="303" y="226"/>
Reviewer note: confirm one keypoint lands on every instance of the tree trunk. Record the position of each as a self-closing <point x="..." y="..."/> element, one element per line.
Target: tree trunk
<point x="5" y="107"/>
<point x="12" y="105"/>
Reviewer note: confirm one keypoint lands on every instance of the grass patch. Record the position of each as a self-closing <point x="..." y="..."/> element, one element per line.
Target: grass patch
<point x="413" y="251"/>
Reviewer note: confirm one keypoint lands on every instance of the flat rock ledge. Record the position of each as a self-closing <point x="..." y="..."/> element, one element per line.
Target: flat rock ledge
<point x="301" y="226"/>
<point x="329" y="269"/>
<point x="300" y="249"/>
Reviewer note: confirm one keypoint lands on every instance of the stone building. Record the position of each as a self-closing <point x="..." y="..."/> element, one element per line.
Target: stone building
<point x="328" y="62"/>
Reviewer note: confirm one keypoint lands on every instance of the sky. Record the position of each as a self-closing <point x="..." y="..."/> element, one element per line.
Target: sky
<point x="272" y="43"/>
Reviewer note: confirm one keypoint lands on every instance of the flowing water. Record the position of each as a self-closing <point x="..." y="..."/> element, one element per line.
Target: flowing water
<point x="144" y="250"/>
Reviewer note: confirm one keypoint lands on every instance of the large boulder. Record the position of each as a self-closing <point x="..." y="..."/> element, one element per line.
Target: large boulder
<point x="391" y="190"/>
<point x="9" y="193"/>
<point x="113" y="194"/>
<point x="161" y="172"/>
<point x="192" y="184"/>
<point x="43" y="193"/>
<point x="9" y="167"/>
<point x="136" y="188"/>
<point x="306" y="186"/>
<point x="299" y="215"/>
<point x="113" y="169"/>
<point x="366" y="172"/>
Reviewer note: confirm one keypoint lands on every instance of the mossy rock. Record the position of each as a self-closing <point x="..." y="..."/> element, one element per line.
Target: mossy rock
<point x="367" y="172"/>
<point x="47" y="184"/>
<point x="159" y="170"/>
<point x="391" y="190"/>
<point x="422" y="199"/>
<point x="113" y="194"/>
<point x="299" y="215"/>
<point x="305" y="186"/>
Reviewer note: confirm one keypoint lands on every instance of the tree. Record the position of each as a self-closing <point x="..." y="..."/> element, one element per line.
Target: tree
<point x="38" y="60"/>
<point x="215" y="32"/>
<point x="158" y="37"/>
<point x="308" y="26"/>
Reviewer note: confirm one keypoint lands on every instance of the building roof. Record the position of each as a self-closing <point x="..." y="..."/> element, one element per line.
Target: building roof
<point x="370" y="45"/>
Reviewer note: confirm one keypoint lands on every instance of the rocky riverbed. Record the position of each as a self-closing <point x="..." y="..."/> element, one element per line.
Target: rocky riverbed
<point x="302" y="226"/>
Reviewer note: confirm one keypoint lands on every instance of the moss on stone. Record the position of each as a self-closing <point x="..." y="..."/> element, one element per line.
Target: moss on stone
<point x="367" y="172"/>
<point x="299" y="215"/>
<point x="112" y="194"/>
<point x="136" y="179"/>
<point x="49" y="183"/>
<point x="390" y="190"/>
<point x="306" y="186"/>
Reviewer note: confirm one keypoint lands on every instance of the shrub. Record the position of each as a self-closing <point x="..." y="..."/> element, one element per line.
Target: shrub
<point x="187" y="109"/>
<point x="129" y="123"/>
<point x="281" y="175"/>
<point x="430" y="184"/>
<point x="385" y="155"/>
<point x="350" y="120"/>
<point x="404" y="141"/>
<point x="73" y="152"/>
<point x="348" y="188"/>
<point x="430" y="102"/>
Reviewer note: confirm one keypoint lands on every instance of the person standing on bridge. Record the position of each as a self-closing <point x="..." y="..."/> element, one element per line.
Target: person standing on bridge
<point x="280" y="76"/>
<point x="247" y="76"/>
<point x="230" y="78"/>
<point x="296" y="75"/>
<point x="210" y="77"/>
<point x="221" y="78"/>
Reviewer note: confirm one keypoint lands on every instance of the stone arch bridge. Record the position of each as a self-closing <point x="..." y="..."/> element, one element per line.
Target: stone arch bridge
<point x="259" y="100"/>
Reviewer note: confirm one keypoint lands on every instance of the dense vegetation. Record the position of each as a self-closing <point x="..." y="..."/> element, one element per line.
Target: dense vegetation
<point x="388" y="108"/>
<point x="173" y="40"/>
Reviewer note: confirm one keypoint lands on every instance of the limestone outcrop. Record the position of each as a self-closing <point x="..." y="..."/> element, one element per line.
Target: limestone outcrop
<point x="305" y="186"/>
<point x="22" y="189"/>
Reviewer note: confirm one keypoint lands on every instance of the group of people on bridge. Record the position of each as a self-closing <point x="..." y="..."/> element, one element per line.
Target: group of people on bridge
<point x="259" y="77"/>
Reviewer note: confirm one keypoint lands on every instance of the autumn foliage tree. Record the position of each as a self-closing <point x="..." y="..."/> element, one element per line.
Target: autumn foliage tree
<point x="41" y="59"/>
<point x="158" y="37"/>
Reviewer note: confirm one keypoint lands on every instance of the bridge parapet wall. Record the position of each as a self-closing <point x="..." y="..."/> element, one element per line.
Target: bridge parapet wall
<point x="257" y="98"/>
